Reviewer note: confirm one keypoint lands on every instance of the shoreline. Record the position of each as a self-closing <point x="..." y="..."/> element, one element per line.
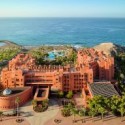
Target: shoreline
<point x="28" y="47"/>
<point x="8" y="43"/>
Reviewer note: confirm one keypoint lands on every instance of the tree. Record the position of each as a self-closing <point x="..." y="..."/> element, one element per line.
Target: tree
<point x="34" y="103"/>
<point x="122" y="76"/>
<point x="82" y="113"/>
<point x="121" y="107"/>
<point x="93" y="103"/>
<point x="17" y="101"/>
<point x="92" y="112"/>
<point x="107" y="103"/>
<point x="69" y="95"/>
<point x="97" y="105"/>
<point x="67" y="109"/>
<point x="74" y="111"/>
<point x="45" y="103"/>
<point x="60" y="94"/>
<point x="71" y="105"/>
<point x="66" y="112"/>
<point x="122" y="110"/>
<point x="101" y="110"/>
<point x="115" y="102"/>
<point x="1" y="114"/>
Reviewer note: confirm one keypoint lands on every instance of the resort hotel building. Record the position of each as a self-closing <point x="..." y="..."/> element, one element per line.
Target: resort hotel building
<point x="30" y="79"/>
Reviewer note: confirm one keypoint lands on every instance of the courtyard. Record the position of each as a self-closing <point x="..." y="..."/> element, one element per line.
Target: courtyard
<point x="30" y="117"/>
<point x="53" y="117"/>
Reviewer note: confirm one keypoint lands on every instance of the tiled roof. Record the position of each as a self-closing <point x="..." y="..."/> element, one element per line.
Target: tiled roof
<point x="104" y="89"/>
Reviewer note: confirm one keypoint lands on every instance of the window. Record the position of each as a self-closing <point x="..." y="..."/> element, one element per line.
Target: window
<point x="17" y="80"/>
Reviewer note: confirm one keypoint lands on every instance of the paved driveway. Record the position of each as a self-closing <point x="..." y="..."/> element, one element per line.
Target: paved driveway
<point x="40" y="118"/>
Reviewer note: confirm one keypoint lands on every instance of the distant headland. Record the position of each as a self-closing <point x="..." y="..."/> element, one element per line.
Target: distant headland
<point x="7" y="43"/>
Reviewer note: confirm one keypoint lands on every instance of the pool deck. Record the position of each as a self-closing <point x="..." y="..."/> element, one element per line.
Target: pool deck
<point x="54" y="54"/>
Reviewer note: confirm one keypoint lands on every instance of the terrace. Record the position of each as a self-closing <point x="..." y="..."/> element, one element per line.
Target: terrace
<point x="14" y="91"/>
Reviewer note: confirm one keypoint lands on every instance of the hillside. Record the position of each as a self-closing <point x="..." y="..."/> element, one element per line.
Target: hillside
<point x="7" y="51"/>
<point x="110" y="48"/>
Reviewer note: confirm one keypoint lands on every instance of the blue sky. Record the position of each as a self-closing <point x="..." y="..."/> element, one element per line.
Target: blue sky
<point x="62" y="8"/>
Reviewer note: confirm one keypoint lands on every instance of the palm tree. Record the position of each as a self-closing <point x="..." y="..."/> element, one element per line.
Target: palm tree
<point x="1" y="113"/>
<point x="17" y="101"/>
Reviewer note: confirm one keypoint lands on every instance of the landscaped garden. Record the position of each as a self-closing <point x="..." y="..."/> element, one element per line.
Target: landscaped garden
<point x="8" y="51"/>
<point x="98" y="106"/>
<point x="47" y="55"/>
<point x="40" y="106"/>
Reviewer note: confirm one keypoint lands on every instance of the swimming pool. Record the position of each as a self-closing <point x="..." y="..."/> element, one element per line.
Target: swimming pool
<point x="52" y="55"/>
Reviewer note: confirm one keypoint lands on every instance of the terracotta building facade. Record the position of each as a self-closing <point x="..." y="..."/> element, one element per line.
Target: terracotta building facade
<point x="90" y="65"/>
<point x="8" y="102"/>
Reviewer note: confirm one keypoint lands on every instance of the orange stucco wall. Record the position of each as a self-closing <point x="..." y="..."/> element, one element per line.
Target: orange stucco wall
<point x="101" y="64"/>
<point x="8" y="102"/>
<point x="91" y="65"/>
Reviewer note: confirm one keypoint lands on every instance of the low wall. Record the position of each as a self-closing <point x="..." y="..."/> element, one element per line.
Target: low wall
<point x="8" y="102"/>
<point x="41" y="98"/>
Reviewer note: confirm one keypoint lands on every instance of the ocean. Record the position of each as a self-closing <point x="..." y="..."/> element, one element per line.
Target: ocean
<point x="63" y="31"/>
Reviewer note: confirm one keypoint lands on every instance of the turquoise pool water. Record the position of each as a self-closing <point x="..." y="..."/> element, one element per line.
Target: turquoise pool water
<point x="53" y="55"/>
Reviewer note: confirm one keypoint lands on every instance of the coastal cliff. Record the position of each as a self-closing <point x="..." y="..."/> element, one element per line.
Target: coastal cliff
<point x="110" y="48"/>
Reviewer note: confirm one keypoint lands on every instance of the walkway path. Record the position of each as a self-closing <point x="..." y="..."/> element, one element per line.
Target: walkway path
<point x="12" y="121"/>
<point x="40" y="118"/>
<point x="110" y="120"/>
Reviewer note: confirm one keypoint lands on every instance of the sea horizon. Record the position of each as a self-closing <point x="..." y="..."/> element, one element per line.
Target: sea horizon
<point x="58" y="17"/>
<point x="82" y="31"/>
